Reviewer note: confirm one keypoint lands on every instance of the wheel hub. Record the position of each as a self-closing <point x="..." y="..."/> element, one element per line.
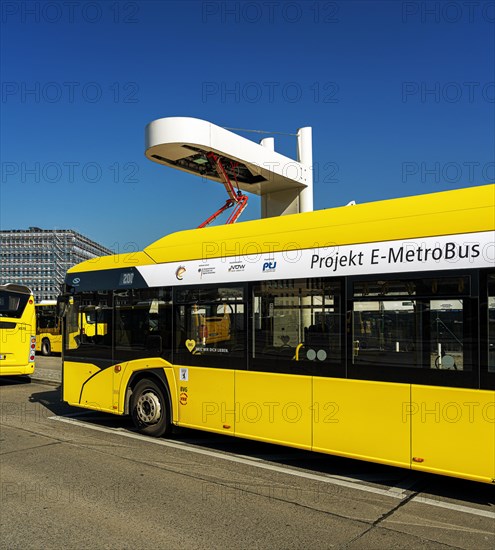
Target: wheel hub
<point x="148" y="408"/>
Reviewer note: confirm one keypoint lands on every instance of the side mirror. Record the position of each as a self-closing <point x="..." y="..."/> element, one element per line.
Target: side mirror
<point x="63" y="304"/>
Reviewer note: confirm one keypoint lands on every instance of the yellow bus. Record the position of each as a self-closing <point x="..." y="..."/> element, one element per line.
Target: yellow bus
<point x="366" y="332"/>
<point x="48" y="328"/>
<point x="91" y="323"/>
<point x="17" y="330"/>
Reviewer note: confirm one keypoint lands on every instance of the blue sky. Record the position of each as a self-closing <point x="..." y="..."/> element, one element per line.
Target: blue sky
<point x="400" y="95"/>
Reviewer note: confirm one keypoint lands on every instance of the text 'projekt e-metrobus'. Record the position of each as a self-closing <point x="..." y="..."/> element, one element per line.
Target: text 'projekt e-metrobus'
<point x="366" y="332"/>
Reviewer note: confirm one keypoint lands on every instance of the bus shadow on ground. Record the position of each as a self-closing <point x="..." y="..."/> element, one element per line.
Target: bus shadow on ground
<point x="51" y="400"/>
<point x="450" y="489"/>
<point x="370" y="473"/>
<point x="15" y="380"/>
<point x="447" y="489"/>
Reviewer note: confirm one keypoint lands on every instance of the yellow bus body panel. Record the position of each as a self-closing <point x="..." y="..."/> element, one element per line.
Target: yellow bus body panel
<point x="15" y="370"/>
<point x="129" y="368"/>
<point x="362" y="419"/>
<point x="113" y="261"/>
<point x="88" y="386"/>
<point x="274" y="407"/>
<point x="98" y="392"/>
<point x="206" y="399"/>
<point x="15" y="346"/>
<point x="80" y="391"/>
<point x="453" y="432"/>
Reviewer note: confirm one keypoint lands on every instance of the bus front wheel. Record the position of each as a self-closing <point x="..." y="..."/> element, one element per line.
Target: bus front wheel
<point x="46" y="348"/>
<point x="149" y="409"/>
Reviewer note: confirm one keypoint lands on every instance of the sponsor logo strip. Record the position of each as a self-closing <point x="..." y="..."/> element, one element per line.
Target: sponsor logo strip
<point x="467" y="251"/>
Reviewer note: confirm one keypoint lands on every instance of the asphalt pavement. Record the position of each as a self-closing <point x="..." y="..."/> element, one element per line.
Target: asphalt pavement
<point x="48" y="369"/>
<point x="74" y="479"/>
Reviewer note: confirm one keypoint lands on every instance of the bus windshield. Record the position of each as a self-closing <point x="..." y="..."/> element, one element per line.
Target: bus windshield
<point x="12" y="304"/>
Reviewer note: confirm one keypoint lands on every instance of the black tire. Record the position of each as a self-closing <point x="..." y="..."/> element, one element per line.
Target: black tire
<point x="46" y="348"/>
<point x="149" y="409"/>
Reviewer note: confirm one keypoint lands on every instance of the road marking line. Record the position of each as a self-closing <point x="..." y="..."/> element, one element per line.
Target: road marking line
<point x="404" y="486"/>
<point x="260" y="463"/>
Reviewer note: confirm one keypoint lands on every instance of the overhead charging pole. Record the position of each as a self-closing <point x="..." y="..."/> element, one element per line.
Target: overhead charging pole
<point x="305" y="157"/>
<point x="284" y="201"/>
<point x="199" y="147"/>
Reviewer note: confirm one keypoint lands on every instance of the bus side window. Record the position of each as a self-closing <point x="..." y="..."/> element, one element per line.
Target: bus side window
<point x="209" y="326"/>
<point x="491" y="322"/>
<point x="297" y="321"/>
<point x="423" y="323"/>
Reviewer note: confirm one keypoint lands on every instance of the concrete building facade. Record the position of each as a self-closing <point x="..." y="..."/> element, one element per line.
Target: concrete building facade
<point x="39" y="258"/>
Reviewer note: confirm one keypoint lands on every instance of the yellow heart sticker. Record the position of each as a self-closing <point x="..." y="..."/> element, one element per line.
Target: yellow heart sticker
<point x="190" y="344"/>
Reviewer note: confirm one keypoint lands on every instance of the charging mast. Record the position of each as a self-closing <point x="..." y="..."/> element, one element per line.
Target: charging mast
<point x="305" y="157"/>
<point x="285" y="185"/>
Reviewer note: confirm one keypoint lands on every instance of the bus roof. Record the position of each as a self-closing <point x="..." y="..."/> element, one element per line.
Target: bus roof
<point x="12" y="287"/>
<point x="460" y="211"/>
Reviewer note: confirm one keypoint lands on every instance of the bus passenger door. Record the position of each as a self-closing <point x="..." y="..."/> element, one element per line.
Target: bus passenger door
<point x="88" y="373"/>
<point x="210" y="343"/>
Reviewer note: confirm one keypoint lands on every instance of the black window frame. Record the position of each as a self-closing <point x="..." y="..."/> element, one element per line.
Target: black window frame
<point x="415" y="375"/>
<point x="102" y="351"/>
<point x="214" y="361"/>
<point x="302" y="367"/>
<point x="487" y="378"/>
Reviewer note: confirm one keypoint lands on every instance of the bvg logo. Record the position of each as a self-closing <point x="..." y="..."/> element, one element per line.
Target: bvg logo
<point x="269" y="266"/>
